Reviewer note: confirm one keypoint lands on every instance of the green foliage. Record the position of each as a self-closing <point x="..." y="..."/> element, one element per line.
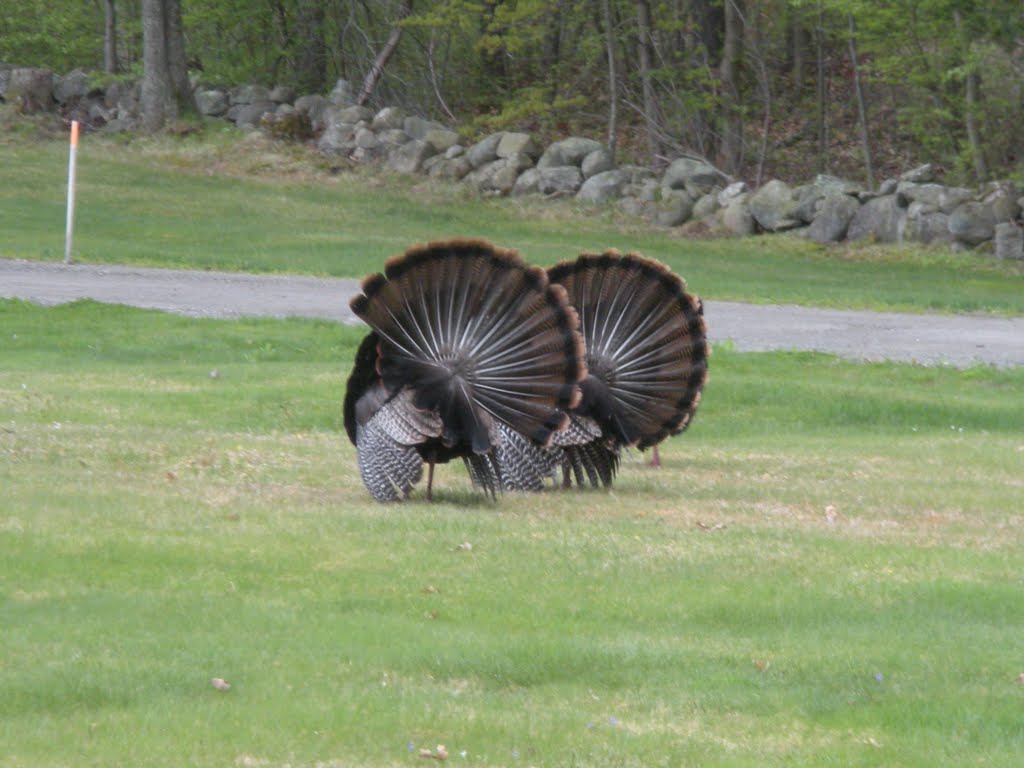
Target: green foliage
<point x="537" y="65"/>
<point x="61" y="36"/>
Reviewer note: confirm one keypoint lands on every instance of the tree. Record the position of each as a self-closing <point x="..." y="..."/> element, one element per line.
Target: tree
<point x="311" y="57"/>
<point x="613" y="79"/>
<point x="732" y="124"/>
<point x="650" y="98"/>
<point x="166" y="91"/>
<point x="377" y="69"/>
<point x="110" y="36"/>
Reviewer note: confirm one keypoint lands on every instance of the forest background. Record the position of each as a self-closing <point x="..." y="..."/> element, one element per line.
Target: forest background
<point x="760" y="88"/>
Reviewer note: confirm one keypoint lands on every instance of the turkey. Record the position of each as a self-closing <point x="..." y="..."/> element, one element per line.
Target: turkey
<point x="647" y="360"/>
<point x="471" y="354"/>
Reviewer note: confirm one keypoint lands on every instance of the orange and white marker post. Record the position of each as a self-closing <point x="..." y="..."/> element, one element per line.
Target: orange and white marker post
<point x="71" y="192"/>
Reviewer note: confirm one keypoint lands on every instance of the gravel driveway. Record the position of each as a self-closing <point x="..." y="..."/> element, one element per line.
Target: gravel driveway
<point x="958" y="340"/>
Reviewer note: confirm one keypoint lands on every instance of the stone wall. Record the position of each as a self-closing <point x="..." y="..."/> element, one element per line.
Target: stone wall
<point x="690" y="194"/>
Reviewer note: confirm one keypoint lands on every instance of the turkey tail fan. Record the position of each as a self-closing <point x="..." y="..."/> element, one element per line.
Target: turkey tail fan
<point x="479" y="340"/>
<point x="647" y="349"/>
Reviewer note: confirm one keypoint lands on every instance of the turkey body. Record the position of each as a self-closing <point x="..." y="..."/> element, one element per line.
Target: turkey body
<point x="472" y="354"/>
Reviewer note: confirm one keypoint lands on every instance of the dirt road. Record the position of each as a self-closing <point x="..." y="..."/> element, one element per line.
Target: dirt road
<point x="958" y="340"/>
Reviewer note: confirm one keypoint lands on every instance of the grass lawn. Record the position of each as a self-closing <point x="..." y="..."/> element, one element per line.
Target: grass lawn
<point x="221" y="201"/>
<point x="826" y="571"/>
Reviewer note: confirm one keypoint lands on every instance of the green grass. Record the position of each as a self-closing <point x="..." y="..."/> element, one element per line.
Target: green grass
<point x="827" y="571"/>
<point x="218" y="201"/>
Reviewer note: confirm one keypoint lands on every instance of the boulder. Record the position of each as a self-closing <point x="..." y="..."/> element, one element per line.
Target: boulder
<point x="441" y="138"/>
<point x="212" y="103"/>
<point x="675" y="208"/>
<point x="882" y="218"/>
<point x="74" y="85"/>
<point x="123" y="97"/>
<point x="559" y="181"/>
<point x="315" y="106"/>
<point x="121" y="125"/>
<point x="419" y="127"/>
<point x="706" y="205"/>
<point x="513" y="143"/>
<point x="31" y="90"/>
<point x="5" y="80"/>
<point x="736" y="217"/>
<point x="773" y="207"/>
<point x="287" y="124"/>
<point x="973" y="223"/>
<point x="341" y="94"/>
<point x="923" y="174"/>
<point x="647" y="191"/>
<point x="354" y="114"/>
<point x="337" y="139"/>
<point x="887" y="187"/>
<point x="409" y="157"/>
<point x="387" y="118"/>
<point x="567" y="152"/>
<point x="632" y="206"/>
<point x="695" y="176"/>
<point x="1001" y="197"/>
<point x="598" y="161"/>
<point x="1009" y="239"/>
<point x="249" y="94"/>
<point x="282" y="94"/>
<point x="809" y="198"/>
<point x="99" y="114"/>
<point x="249" y="115"/>
<point x="927" y="226"/>
<point x="637" y="174"/>
<point x="484" y="151"/>
<point x="528" y="182"/>
<point x="731" y="192"/>
<point x="499" y="176"/>
<point x="602" y="187"/>
<point x="450" y="168"/>
<point x="367" y="139"/>
<point x="834" y="215"/>
<point x="394" y="137"/>
<point x="935" y="196"/>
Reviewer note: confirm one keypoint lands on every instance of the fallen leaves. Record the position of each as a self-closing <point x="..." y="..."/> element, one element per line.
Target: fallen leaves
<point x="438" y="753"/>
<point x="710" y="527"/>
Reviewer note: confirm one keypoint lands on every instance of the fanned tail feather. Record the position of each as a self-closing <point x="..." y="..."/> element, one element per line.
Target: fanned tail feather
<point x="477" y="339"/>
<point x="647" y="355"/>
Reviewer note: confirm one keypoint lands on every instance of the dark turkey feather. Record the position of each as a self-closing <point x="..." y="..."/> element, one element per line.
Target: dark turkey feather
<point x="647" y="359"/>
<point x="469" y="346"/>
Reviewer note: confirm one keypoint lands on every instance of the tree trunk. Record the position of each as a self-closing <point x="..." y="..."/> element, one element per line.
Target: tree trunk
<point x="798" y="48"/>
<point x="822" y="122"/>
<point x="613" y="78"/>
<point x="177" y="62"/>
<point x="166" y="92"/>
<point x="110" y="36"/>
<point x="971" y="102"/>
<point x="651" y="111"/>
<point x="156" y="81"/>
<point x="377" y="69"/>
<point x="862" y="109"/>
<point x="732" y="138"/>
<point x="311" y="59"/>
